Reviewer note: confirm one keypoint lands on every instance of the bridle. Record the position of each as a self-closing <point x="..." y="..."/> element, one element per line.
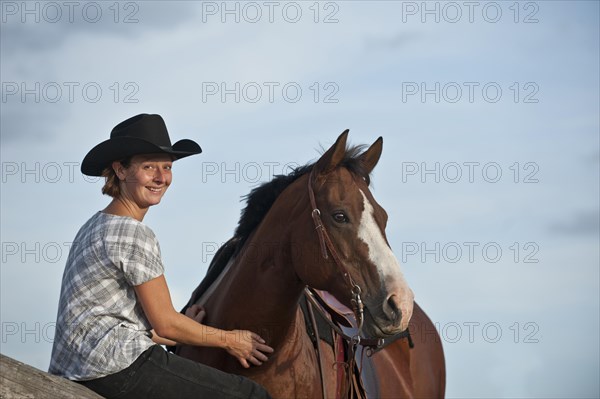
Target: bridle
<point x="354" y="341"/>
<point x="326" y="244"/>
<point x="371" y="345"/>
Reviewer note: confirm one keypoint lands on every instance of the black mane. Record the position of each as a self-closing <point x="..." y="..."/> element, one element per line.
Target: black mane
<point x="261" y="198"/>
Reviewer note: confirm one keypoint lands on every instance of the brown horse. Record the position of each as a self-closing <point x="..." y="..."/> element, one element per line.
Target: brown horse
<point x="277" y="251"/>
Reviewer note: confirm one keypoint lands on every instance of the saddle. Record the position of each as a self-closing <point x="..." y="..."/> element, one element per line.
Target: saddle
<point x="329" y="320"/>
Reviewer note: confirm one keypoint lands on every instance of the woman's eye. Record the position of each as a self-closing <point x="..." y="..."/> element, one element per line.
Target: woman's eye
<point x="340" y="217"/>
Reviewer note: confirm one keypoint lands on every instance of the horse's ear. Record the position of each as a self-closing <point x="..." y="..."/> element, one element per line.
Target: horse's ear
<point x="370" y="157"/>
<point x="333" y="156"/>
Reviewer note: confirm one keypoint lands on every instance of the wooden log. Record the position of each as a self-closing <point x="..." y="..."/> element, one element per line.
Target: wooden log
<point x="19" y="380"/>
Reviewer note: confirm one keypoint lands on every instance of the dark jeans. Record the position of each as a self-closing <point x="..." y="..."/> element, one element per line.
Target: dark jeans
<point x="162" y="375"/>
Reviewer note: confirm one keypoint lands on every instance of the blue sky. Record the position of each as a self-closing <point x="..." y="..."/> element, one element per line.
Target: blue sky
<point x="489" y="174"/>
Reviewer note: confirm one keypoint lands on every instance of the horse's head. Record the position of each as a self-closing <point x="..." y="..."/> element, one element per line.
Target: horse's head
<point x="355" y="224"/>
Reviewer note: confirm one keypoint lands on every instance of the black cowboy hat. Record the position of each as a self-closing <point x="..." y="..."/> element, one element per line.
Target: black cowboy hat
<point x="141" y="134"/>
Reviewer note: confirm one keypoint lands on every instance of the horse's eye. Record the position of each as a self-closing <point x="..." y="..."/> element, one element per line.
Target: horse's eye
<point x="340" y="217"/>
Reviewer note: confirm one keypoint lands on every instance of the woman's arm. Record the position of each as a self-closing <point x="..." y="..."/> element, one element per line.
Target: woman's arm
<point x="155" y="298"/>
<point x="194" y="312"/>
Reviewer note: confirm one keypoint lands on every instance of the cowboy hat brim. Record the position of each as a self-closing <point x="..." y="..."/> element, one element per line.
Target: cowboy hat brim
<point x="118" y="148"/>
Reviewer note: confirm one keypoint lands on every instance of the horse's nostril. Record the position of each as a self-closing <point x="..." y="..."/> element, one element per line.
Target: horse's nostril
<point x="391" y="308"/>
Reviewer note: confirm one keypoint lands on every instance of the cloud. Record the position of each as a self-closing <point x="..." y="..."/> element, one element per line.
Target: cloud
<point x="30" y="122"/>
<point x="581" y="223"/>
<point x="393" y="42"/>
<point x="41" y="26"/>
<point x="42" y="82"/>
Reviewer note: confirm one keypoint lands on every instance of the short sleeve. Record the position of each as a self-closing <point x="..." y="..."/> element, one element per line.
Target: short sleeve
<point x="138" y="256"/>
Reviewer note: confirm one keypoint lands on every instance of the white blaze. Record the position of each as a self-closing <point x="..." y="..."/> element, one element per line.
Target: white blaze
<point x="388" y="267"/>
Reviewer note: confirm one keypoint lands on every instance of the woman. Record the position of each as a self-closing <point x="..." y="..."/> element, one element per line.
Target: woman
<point x="115" y="307"/>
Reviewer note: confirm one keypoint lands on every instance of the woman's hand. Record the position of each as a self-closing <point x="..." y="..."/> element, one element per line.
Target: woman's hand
<point x="247" y="347"/>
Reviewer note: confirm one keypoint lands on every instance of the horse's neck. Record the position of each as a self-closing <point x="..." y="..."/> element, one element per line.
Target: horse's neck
<point x="256" y="294"/>
<point x="259" y="290"/>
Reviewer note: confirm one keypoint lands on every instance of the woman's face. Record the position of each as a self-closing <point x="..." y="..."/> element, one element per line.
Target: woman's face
<point x="146" y="179"/>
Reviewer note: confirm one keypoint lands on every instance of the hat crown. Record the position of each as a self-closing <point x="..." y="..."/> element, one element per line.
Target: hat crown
<point x="149" y="127"/>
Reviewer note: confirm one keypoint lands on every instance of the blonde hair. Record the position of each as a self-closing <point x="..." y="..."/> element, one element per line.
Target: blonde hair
<point x="112" y="182"/>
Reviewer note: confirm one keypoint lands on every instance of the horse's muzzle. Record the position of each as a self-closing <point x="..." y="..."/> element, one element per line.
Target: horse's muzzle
<point x="396" y="314"/>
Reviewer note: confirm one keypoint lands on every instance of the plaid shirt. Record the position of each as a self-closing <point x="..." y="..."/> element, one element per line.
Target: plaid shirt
<point x="101" y="327"/>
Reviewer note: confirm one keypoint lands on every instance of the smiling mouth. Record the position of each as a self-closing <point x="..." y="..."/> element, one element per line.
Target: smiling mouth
<point x="155" y="190"/>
